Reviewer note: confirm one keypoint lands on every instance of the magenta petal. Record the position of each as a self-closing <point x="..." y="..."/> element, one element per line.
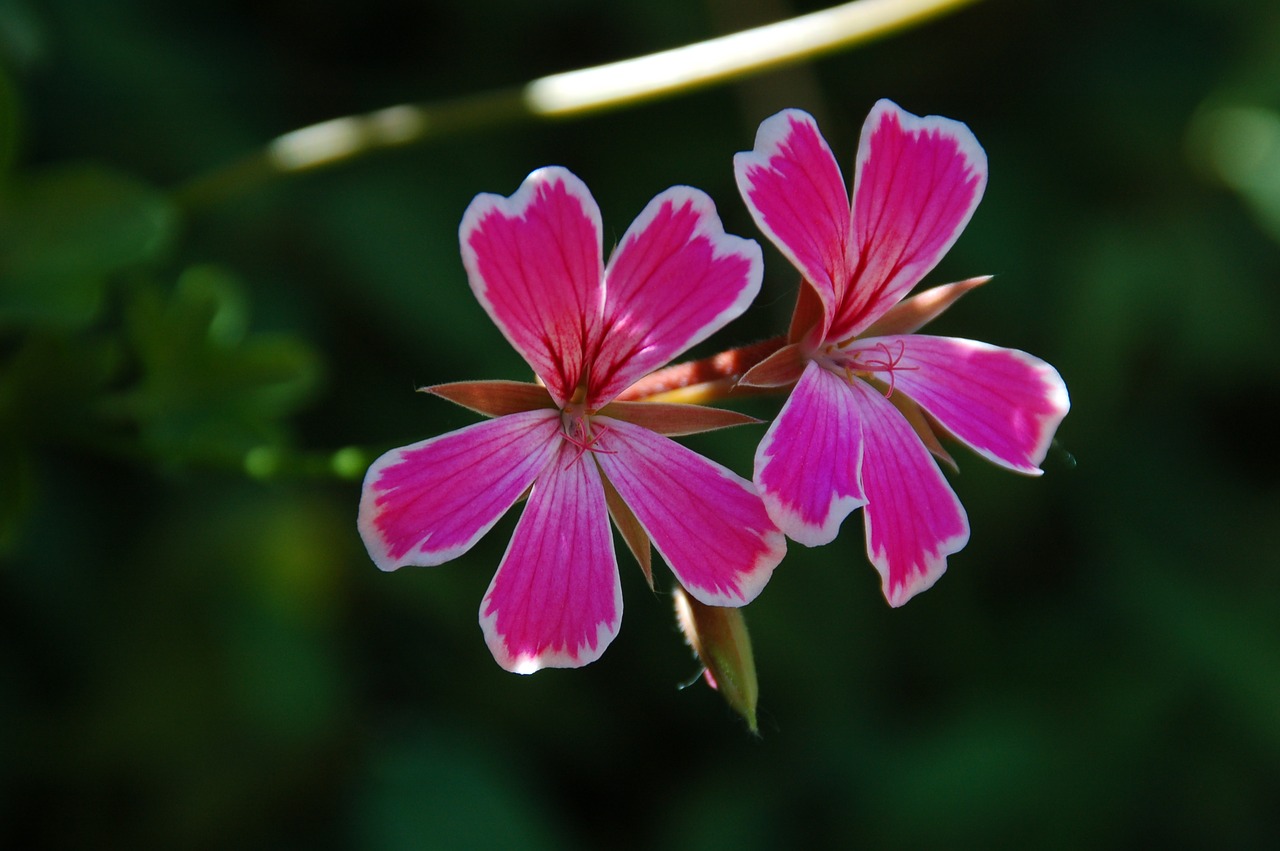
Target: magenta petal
<point x="675" y="279"/>
<point x="913" y="518"/>
<point x="429" y="502"/>
<point x="917" y="183"/>
<point x="706" y="521"/>
<point x="1003" y="403"/>
<point x="807" y="465"/>
<point x="556" y="601"/>
<point x="534" y="262"/>
<point x="792" y="184"/>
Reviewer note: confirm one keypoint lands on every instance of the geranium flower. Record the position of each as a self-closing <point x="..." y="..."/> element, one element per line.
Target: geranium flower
<point x="588" y="331"/>
<point x="852" y="434"/>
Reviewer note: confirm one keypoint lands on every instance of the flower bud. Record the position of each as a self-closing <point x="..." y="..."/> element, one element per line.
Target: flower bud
<point x="719" y="637"/>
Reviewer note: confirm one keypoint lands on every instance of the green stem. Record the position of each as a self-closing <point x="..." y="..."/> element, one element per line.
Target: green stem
<point x="571" y="94"/>
<point x="350" y="137"/>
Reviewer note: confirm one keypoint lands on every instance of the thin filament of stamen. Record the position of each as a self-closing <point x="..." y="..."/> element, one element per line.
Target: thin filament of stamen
<point x="890" y="363"/>
<point x="586" y="443"/>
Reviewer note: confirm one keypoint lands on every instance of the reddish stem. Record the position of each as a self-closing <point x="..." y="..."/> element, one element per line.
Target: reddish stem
<point x="724" y="368"/>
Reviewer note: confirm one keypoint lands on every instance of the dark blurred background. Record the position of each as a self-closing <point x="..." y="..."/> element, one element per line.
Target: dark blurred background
<point x="196" y="652"/>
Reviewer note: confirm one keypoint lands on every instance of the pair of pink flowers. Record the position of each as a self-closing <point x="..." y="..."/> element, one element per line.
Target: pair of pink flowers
<point x="857" y="430"/>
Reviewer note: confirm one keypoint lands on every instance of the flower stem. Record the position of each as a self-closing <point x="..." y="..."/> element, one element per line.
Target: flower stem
<point x="702" y="381"/>
<point x="348" y="138"/>
<point x="570" y="94"/>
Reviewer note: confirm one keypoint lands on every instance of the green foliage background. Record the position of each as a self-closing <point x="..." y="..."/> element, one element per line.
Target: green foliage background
<point x="195" y="650"/>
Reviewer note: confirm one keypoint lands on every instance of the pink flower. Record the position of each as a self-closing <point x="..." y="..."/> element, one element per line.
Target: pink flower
<point x="588" y="331"/>
<point x="858" y="429"/>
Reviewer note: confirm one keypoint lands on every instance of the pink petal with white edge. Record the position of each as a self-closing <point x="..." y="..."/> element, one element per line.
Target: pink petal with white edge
<point x="806" y="467"/>
<point x="913" y="518"/>
<point x="706" y="521"/>
<point x="556" y="600"/>
<point x="1004" y="404"/>
<point x="917" y="183"/>
<point x="534" y="263"/>
<point x="675" y="279"/>
<point x="429" y="502"/>
<point x="792" y="185"/>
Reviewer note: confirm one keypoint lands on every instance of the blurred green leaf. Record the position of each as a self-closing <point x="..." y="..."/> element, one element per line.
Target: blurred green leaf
<point x="63" y="231"/>
<point x="10" y="122"/>
<point x="1212" y="635"/>
<point x="417" y="787"/>
<point x="15" y="496"/>
<point x="22" y="36"/>
<point x="1240" y="145"/>
<point x="48" y="382"/>
<point x="209" y="390"/>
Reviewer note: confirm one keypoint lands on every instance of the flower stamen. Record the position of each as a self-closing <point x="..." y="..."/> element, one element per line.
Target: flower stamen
<point x="587" y="441"/>
<point x="890" y="363"/>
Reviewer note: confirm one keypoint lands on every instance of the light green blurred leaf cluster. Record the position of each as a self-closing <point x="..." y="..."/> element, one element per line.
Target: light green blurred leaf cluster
<point x="209" y="389"/>
<point x="99" y="352"/>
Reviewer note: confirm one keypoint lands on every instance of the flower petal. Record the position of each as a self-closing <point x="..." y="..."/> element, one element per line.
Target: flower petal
<point x="534" y="263"/>
<point x="792" y="184"/>
<point x="807" y="465"/>
<point x="429" y="502"/>
<point x="675" y="279"/>
<point x="924" y="430"/>
<point x="917" y="183"/>
<point x="706" y="521"/>
<point x="913" y="518"/>
<point x="632" y="532"/>
<point x="556" y="600"/>
<point x="1002" y="403"/>
<point x="809" y="319"/>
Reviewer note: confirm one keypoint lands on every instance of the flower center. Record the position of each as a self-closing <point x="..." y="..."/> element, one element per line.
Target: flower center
<point x="577" y="427"/>
<point x="874" y="363"/>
